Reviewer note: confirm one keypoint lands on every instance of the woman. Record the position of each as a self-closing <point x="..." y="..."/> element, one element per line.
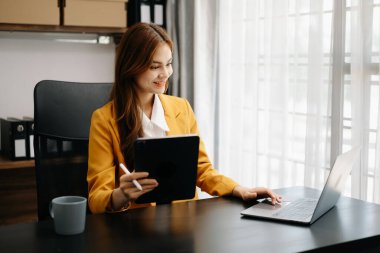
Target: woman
<point x="139" y="108"/>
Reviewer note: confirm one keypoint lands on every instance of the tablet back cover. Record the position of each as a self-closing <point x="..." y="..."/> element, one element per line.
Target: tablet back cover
<point x="173" y="162"/>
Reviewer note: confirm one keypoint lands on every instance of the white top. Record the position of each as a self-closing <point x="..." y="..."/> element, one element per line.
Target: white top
<point x="156" y="126"/>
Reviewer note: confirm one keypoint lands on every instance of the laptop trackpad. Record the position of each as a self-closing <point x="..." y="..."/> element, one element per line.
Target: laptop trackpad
<point x="267" y="205"/>
<point x="264" y="208"/>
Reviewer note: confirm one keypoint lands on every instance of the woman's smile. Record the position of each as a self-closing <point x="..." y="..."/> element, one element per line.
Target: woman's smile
<point x="159" y="84"/>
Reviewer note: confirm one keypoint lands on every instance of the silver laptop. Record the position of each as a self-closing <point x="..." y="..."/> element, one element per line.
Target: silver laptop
<point x="308" y="210"/>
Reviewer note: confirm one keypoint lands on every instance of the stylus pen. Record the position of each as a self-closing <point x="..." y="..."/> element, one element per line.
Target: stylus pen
<point x="134" y="181"/>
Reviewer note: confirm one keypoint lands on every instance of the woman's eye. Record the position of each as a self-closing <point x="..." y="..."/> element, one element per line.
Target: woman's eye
<point x="154" y="67"/>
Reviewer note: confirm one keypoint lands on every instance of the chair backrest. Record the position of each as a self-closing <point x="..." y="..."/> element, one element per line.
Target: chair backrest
<point x="62" y="117"/>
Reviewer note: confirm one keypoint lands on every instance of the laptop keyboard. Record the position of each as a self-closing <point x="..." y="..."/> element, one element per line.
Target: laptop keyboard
<point x="300" y="209"/>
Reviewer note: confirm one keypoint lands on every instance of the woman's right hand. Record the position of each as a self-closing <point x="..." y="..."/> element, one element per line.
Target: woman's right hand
<point x="127" y="191"/>
<point x="130" y="190"/>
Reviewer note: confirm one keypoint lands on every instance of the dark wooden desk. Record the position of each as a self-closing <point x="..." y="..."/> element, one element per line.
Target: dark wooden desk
<point x="212" y="225"/>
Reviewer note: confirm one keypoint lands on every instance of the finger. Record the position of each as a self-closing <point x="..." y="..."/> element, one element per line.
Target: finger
<point x="267" y="193"/>
<point x="133" y="193"/>
<point x="150" y="186"/>
<point x="144" y="191"/>
<point x="274" y="197"/>
<point x="143" y="182"/>
<point x="136" y="175"/>
<point x="262" y="192"/>
<point x="129" y="188"/>
<point x="128" y="180"/>
<point x="136" y="193"/>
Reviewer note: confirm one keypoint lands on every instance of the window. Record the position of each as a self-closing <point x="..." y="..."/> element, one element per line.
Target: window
<point x="296" y="83"/>
<point x="361" y="93"/>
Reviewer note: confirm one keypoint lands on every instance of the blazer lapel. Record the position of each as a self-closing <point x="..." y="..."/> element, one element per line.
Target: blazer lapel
<point x="171" y="115"/>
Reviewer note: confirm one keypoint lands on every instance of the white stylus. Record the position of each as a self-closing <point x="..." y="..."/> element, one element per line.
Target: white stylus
<point x="134" y="181"/>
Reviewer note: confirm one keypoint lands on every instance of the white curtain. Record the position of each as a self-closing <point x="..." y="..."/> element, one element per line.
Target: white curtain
<point x="205" y="71"/>
<point x="262" y="89"/>
<point x="361" y="103"/>
<point x="180" y="26"/>
<point x="283" y="86"/>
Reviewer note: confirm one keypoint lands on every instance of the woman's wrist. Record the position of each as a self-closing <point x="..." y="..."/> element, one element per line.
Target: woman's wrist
<point x="119" y="200"/>
<point x="236" y="192"/>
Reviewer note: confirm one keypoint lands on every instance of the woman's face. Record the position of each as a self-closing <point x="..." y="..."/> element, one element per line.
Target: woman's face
<point x="154" y="79"/>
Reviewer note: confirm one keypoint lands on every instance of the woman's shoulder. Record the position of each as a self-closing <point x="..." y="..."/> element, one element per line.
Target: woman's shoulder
<point x="175" y="106"/>
<point x="173" y="100"/>
<point x="106" y="111"/>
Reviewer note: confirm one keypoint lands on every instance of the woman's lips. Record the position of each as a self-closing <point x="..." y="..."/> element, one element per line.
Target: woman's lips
<point x="159" y="84"/>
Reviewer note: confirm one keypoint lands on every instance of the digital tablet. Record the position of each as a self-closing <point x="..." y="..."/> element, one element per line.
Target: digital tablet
<point x="173" y="162"/>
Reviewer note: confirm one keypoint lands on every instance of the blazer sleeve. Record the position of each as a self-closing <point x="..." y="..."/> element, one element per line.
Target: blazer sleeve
<point x="101" y="167"/>
<point x="208" y="179"/>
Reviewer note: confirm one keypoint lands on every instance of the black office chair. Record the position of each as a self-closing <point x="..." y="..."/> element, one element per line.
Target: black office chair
<point x="62" y="116"/>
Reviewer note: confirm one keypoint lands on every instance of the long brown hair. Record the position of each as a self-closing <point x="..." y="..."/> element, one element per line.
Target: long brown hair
<point x="134" y="56"/>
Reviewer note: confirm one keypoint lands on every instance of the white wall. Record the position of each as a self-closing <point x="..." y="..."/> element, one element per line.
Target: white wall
<point x="26" y="61"/>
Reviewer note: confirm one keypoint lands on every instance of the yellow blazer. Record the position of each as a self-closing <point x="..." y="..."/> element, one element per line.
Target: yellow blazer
<point x="105" y="154"/>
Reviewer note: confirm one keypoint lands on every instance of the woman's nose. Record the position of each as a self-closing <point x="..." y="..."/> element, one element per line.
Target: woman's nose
<point x="165" y="73"/>
<point x="162" y="74"/>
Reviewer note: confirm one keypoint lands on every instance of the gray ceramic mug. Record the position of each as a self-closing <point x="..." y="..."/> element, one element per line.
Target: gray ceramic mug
<point x="69" y="214"/>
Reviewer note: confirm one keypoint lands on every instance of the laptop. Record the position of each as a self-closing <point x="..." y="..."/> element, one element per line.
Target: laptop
<point x="307" y="210"/>
<point x="173" y="162"/>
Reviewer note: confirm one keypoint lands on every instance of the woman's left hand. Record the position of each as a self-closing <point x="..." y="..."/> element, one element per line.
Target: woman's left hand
<point x="246" y="193"/>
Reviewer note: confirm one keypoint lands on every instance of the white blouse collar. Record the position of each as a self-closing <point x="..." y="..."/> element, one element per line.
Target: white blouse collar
<point x="157" y="117"/>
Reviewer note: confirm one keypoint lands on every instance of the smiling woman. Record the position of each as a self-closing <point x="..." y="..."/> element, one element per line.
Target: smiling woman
<point x="138" y="108"/>
<point x="154" y="80"/>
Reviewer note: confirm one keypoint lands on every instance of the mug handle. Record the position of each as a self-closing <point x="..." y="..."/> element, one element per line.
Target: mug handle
<point x="51" y="209"/>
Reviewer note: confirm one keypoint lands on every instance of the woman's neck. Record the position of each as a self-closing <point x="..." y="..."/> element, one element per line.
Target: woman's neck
<point x="147" y="104"/>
